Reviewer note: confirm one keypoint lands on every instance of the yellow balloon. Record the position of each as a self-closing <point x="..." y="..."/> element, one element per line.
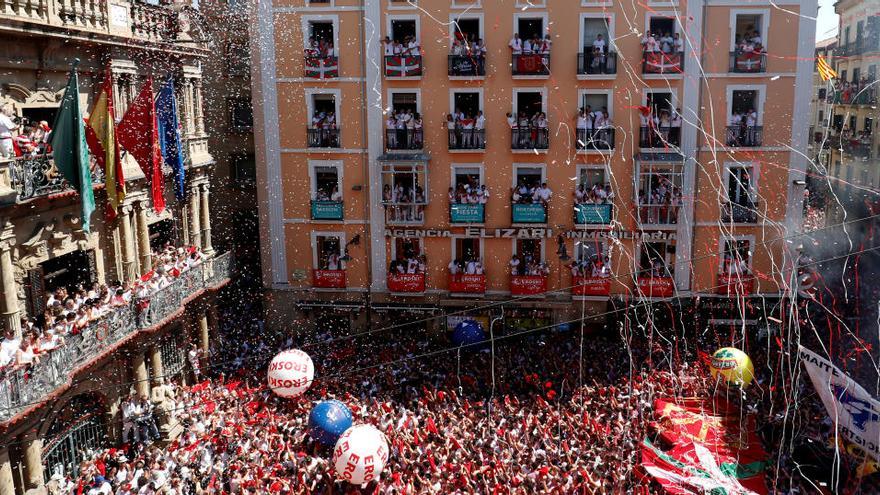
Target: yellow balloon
<point x="733" y="365"/>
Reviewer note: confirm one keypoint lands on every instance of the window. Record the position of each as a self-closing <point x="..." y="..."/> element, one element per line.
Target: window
<point x="323" y="130"/>
<point x="748" y="29"/>
<point x="403" y="125"/>
<point x="236" y="62"/>
<point x="469" y="177"/>
<point x="404" y="102"/>
<point x="745" y="117"/>
<point x="530" y="177"/>
<point x="659" y="102"/>
<point x="530" y="28"/>
<point x="404" y="192"/>
<point x="466" y="28"/>
<point x="243" y="168"/>
<point x="467" y="102"/>
<point x="855" y="75"/>
<point x="326" y="182"/>
<point x="328" y="251"/>
<point x="869" y="125"/>
<point x="405" y="253"/>
<point x="740" y="185"/>
<point x="657" y="259"/>
<point x="660" y="197"/>
<point x="530" y="250"/>
<point x="321" y="32"/>
<point x="403" y="30"/>
<point x="591" y="259"/>
<point x="662" y="26"/>
<point x="466" y="249"/>
<point x="240" y="114"/>
<point x="736" y="256"/>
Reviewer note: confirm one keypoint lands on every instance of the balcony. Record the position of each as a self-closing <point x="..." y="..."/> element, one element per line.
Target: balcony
<point x="662" y="63"/>
<point x="854" y="95"/>
<point x="404" y="139"/>
<point x="735" y="284"/>
<point x="857" y="149"/>
<point x="531" y="64"/>
<point x="24" y="388"/>
<point x="467" y="213"/>
<point x="403" y="66"/>
<point x="327" y="210"/>
<point x="404" y="213"/>
<point x="595" y="139"/>
<point x="590" y="286"/>
<point x="658" y="214"/>
<point x="659" y="137"/>
<point x="406" y="283"/>
<point x="34" y="177"/>
<point x="529" y="139"/>
<point x="328" y="279"/>
<point x="463" y="284"/>
<point x="321" y="67"/>
<point x="740" y="136"/>
<point x="742" y="212"/>
<point x="656" y="286"/>
<point x="528" y="213"/>
<point x="592" y="214"/>
<point x="323" y="138"/>
<point x="592" y="64"/>
<point x="748" y="62"/>
<point x="466" y="66"/>
<point x="528" y="285"/>
<point x="467" y="139"/>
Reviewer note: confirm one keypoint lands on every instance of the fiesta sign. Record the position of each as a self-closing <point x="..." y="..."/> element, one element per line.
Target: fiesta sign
<point x="530" y="233"/>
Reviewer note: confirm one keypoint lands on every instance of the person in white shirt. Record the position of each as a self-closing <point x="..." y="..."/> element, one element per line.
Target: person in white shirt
<point x="483" y="194"/>
<point x="453" y="267"/>
<point x="412" y="266"/>
<point x="389" y="47"/>
<point x="515" y="44"/>
<point x="336" y="195"/>
<point x="678" y="43"/>
<point x="514" y="265"/>
<point x="543" y="194"/>
<point x="471" y="267"/>
<point x="7" y="130"/>
<point x="412" y="47"/>
<point x="8" y="348"/>
<point x="479" y="126"/>
<point x="527" y="47"/>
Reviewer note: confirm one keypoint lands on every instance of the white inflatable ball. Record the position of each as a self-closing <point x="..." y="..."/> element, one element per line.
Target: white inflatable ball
<point x="360" y="454"/>
<point x="291" y="373"/>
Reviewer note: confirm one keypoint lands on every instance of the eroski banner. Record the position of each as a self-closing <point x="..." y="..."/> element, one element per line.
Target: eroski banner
<point x="851" y="407"/>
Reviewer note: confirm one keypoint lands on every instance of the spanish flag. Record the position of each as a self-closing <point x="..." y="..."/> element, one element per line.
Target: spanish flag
<point x="825" y="70"/>
<point x="101" y="138"/>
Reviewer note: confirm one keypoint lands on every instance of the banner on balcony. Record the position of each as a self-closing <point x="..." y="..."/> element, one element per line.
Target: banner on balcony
<point x="732" y="285"/>
<point x="403" y="66"/>
<point x="656" y="286"/>
<point x="527" y="285"/>
<point x="326" y="210"/>
<point x="466" y="213"/>
<point x="406" y="282"/>
<point x="322" y="67"/>
<point x="749" y="62"/>
<point x="591" y="286"/>
<point x="529" y="213"/>
<point x="328" y="279"/>
<point x="467" y="284"/>
<point x="463" y="65"/>
<point x="531" y="64"/>
<point x="662" y="63"/>
<point x="592" y="214"/>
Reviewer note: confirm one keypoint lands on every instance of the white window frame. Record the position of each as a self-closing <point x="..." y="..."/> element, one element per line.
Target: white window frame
<point x="324" y="233"/>
<point x="391" y="91"/>
<point x="309" y="5"/>
<point x="453" y="169"/>
<point x="394" y="245"/>
<point x="517" y="166"/>
<point x="609" y="95"/>
<point x="466" y="4"/>
<point x="755" y="175"/>
<point x="454" y="91"/>
<point x="676" y="103"/>
<point x="580" y="242"/>
<point x="664" y="13"/>
<point x="465" y="16"/>
<point x="306" y="19"/>
<point x="454" y="249"/>
<point x="595" y="3"/>
<point x="761" y="89"/>
<point x="765" y="24"/>
<point x="734" y="238"/>
<point x="609" y="21"/>
<point x="543" y="242"/>
<point x="541" y="90"/>
<point x="310" y="104"/>
<point x="527" y="14"/>
<point x="403" y="17"/>
<point x="313" y="175"/>
<point x="667" y="241"/>
<point x="592" y="166"/>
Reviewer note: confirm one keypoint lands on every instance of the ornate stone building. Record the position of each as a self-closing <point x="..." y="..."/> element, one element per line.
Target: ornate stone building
<point x="69" y="401"/>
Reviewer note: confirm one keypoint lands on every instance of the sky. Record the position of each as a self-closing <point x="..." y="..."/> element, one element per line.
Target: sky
<point x="826" y="21"/>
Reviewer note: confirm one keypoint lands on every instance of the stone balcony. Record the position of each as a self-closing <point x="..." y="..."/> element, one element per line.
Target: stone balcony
<point x="21" y="390"/>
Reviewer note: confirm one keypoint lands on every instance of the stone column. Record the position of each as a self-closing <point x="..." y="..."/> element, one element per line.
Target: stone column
<point x="144" y="237"/>
<point x="129" y="260"/>
<point x="195" y="230"/>
<point x="10" y="289"/>
<point x="156" y="364"/>
<point x="6" y="483"/>
<point x="207" y="248"/>
<point x="204" y="335"/>
<point x="197" y="103"/>
<point x="32" y="448"/>
<point x="139" y="374"/>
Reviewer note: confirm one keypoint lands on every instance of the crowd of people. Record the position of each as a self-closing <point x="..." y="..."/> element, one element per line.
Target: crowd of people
<point x="466" y="130"/>
<point x="743" y="130"/>
<point x="72" y="311"/>
<point x="404" y="130"/>
<point x="749" y="42"/>
<point x="661" y="203"/>
<point x="594" y="128"/>
<point x="660" y="128"/>
<point x="409" y="264"/>
<point x="471" y="193"/>
<point x="534" y="45"/>
<point x="324" y="130"/>
<point x="597" y="194"/>
<point x="468" y="56"/>
<point x="408" y="46"/>
<point x="22" y="137"/>
<point x="734" y="265"/>
<point x="466" y="266"/>
<point x="529" y="132"/>
<point x="863" y="91"/>
<point x="320" y="48"/>
<point x="528" y="264"/>
<point x="662" y="42"/>
<point x="333" y="194"/>
<point x="594" y="266"/>
<point x="404" y="204"/>
<point x="535" y="193"/>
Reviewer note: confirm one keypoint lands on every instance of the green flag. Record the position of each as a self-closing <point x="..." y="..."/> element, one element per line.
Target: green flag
<point x="69" y="146"/>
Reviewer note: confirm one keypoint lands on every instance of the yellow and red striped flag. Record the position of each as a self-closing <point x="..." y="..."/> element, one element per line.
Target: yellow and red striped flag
<point x="825" y="70"/>
<point x="101" y="138"/>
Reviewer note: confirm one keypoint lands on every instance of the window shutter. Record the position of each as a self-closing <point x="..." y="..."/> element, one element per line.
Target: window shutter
<point x="35" y="292"/>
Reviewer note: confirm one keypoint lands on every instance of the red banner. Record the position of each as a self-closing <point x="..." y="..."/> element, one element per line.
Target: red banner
<point x="749" y="62"/>
<point x="467" y="284"/>
<point x="531" y="64"/>
<point x="527" y="285"/>
<point x="662" y="63"/>
<point x="732" y="285"/>
<point x="406" y="282"/>
<point x="328" y="279"/>
<point x="656" y="286"/>
<point x="591" y="286"/>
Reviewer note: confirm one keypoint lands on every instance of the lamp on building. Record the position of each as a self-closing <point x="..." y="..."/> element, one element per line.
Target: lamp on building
<point x="561" y="250"/>
<point x="355" y="241"/>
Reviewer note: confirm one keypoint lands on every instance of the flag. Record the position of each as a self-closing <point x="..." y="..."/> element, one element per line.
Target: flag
<point x="825" y="70"/>
<point x="322" y="67"/>
<point x="855" y="413"/>
<point x="169" y="136"/>
<point x="69" y="146"/>
<point x="138" y="134"/>
<point x="101" y="138"/>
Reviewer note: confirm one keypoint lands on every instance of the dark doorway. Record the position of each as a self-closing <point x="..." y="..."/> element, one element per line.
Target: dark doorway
<point x="321" y="31"/>
<point x="70" y="270"/>
<point x="531" y="28"/>
<point x="660" y="102"/>
<point x="529" y="103"/>
<point x="404" y="101"/>
<point x="469" y="103"/>
<point x="401" y="30"/>
<point x="161" y="234"/>
<point x="662" y="25"/>
<point x="35" y="115"/>
<point x="467" y="30"/>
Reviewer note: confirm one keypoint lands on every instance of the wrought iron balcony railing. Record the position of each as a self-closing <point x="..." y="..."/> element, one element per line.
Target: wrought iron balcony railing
<point x="528" y="138"/>
<point x="323" y="138"/>
<point x="659" y="137"/>
<point x="23" y="388"/>
<point x="595" y="139"/>
<point x="404" y="139"/>
<point x="745" y="136"/>
<point x="739" y="212"/>
<point x="590" y="63"/>
<point x="32" y="177"/>
<point x="467" y="139"/>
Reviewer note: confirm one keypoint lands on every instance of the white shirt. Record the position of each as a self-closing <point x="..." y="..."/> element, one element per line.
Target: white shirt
<point x="453" y="268"/>
<point x="516" y="45"/>
<point x="471" y="268"/>
<point x="527" y="47"/>
<point x="6" y="126"/>
<point x="7" y="350"/>
<point x="480" y="122"/>
<point x="600" y="45"/>
<point x="543" y="193"/>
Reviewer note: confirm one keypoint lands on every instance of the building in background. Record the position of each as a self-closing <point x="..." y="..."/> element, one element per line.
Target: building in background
<point x="68" y="402"/>
<point x="360" y="177"/>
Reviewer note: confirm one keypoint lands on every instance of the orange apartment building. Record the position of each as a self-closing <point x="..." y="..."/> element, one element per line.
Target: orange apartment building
<point x="348" y="205"/>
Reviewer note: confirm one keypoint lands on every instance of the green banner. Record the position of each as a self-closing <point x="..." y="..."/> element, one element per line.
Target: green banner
<point x="326" y="210"/>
